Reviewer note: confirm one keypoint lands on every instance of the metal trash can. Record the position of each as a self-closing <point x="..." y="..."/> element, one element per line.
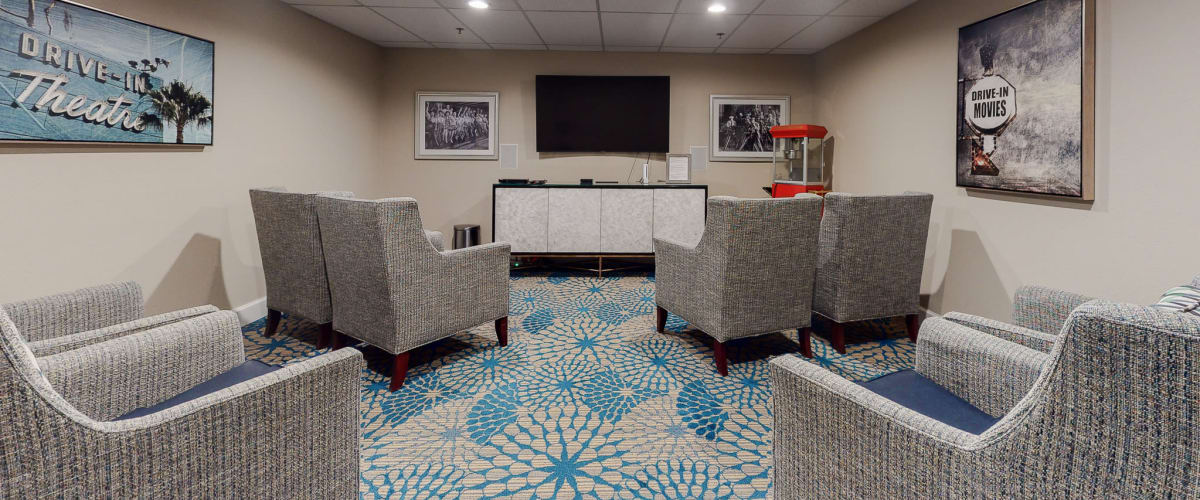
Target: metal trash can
<point x="466" y="235"/>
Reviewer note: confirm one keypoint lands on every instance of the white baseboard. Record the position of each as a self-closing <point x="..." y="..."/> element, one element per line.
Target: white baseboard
<point x="251" y="311"/>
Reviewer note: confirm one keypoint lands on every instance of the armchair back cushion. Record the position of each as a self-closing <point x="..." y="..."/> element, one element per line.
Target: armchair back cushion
<point x="289" y="239"/>
<point x="872" y="252"/>
<point x="77" y="311"/>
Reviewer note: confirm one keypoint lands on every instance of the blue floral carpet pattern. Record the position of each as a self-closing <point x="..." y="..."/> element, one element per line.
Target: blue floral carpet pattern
<point x="586" y="401"/>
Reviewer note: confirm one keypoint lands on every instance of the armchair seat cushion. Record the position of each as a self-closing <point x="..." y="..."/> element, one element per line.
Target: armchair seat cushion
<point x="238" y="374"/>
<point x="915" y="392"/>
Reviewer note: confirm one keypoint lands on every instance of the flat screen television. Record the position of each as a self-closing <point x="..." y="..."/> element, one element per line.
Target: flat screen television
<point x="586" y="114"/>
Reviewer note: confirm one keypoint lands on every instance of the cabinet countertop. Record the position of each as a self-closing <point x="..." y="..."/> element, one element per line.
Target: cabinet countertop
<point x="604" y="186"/>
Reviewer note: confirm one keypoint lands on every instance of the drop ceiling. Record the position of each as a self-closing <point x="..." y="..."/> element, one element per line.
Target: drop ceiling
<point x="747" y="26"/>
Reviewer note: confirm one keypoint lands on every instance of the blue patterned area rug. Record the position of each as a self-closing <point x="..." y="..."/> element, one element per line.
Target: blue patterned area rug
<point x="586" y="401"/>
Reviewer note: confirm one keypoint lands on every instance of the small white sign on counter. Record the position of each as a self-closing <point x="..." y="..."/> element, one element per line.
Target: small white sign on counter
<point x="679" y="169"/>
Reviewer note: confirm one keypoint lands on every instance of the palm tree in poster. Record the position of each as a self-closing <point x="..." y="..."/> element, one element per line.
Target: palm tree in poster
<point x="179" y="105"/>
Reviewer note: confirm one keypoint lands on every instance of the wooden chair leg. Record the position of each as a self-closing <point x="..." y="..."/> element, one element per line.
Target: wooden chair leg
<point x="326" y="336"/>
<point x="837" y="335"/>
<point x="399" y="371"/>
<point x="806" y="342"/>
<point x="662" y="319"/>
<point x="502" y="331"/>
<point x="272" y="322"/>
<point x="722" y="358"/>
<point x="913" y="321"/>
<point x="339" y="340"/>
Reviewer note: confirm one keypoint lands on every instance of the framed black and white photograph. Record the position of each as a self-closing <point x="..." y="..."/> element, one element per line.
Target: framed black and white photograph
<point x="457" y="125"/>
<point x="1026" y="100"/>
<point x="740" y="126"/>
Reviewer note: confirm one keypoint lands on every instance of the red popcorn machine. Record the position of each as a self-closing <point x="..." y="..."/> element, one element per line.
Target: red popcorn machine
<point x="798" y="165"/>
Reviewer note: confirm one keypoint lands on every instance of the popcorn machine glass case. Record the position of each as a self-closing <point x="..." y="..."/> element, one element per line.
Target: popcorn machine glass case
<point x="799" y="162"/>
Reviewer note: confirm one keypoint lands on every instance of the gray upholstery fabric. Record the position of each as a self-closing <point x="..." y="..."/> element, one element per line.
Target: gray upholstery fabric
<point x="390" y="285"/>
<point x="1044" y="309"/>
<point x="1196" y="280"/>
<point x="289" y="239"/>
<point x="750" y="274"/>
<point x="1115" y="413"/>
<point x="436" y="239"/>
<point x="989" y="372"/>
<point x="290" y="434"/>
<point x="872" y="251"/>
<point x="77" y="311"/>
<point x="1032" y="339"/>
<point x="69" y="342"/>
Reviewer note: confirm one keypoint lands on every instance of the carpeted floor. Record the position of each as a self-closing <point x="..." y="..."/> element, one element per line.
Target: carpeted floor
<point x="586" y="401"/>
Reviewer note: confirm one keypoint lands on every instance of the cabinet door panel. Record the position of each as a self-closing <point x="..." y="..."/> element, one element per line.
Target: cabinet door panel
<point x="679" y="214"/>
<point x="521" y="218"/>
<point x="574" y="220"/>
<point x="627" y="224"/>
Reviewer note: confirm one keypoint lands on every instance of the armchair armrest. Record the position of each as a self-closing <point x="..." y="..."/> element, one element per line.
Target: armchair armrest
<point x="68" y="342"/>
<point x="989" y="372"/>
<point x="831" y="431"/>
<point x="1032" y="339"/>
<point x="1044" y="309"/>
<point x="479" y="276"/>
<point x="254" y="424"/>
<point x="677" y="277"/>
<point x="77" y="311"/>
<point x="436" y="239"/>
<point x="111" y="378"/>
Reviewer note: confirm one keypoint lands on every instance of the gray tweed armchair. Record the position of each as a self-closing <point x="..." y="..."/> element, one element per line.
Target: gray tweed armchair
<point x="1113" y="411"/>
<point x="87" y="316"/>
<point x="392" y="288"/>
<point x="289" y="239"/>
<point x="98" y="421"/>
<point x="869" y="264"/>
<point x="751" y="273"/>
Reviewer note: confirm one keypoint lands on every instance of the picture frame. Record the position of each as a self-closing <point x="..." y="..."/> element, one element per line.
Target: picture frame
<point x="457" y="126"/>
<point x="1025" y="108"/>
<point x="739" y="126"/>
<point x="81" y="75"/>
<point x="679" y="168"/>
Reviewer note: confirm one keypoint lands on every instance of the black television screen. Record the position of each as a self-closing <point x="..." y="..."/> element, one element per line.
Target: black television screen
<point x="626" y="114"/>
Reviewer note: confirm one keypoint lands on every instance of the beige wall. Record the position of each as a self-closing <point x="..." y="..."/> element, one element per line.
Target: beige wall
<point x="296" y="104"/>
<point x="887" y="94"/>
<point x="457" y="192"/>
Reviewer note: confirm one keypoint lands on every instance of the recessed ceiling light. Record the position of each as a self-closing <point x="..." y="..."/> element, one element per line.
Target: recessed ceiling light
<point x="716" y="8"/>
<point x="478" y="4"/>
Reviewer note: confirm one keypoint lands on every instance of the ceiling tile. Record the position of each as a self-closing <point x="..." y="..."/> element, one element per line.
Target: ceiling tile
<point x="827" y="30"/>
<point x="577" y="48"/>
<point x="634" y="29"/>
<point x="518" y="46"/>
<point x="767" y="31"/>
<point x="794" y="51"/>
<point x="321" y="2"/>
<point x="724" y="50"/>
<point x="433" y="25"/>
<point x="731" y="6"/>
<point x="667" y="6"/>
<point x="361" y="21"/>
<point x="408" y="45"/>
<point x="694" y="50"/>
<point x="567" y="28"/>
<point x="579" y="5"/>
<point x="468" y="46"/>
<point x="401" y="3"/>
<point x="880" y="8"/>
<point x="492" y="5"/>
<point x="617" y="48"/>
<point x="700" y="30"/>
<point x="498" y="26"/>
<point x="798" y="7"/>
